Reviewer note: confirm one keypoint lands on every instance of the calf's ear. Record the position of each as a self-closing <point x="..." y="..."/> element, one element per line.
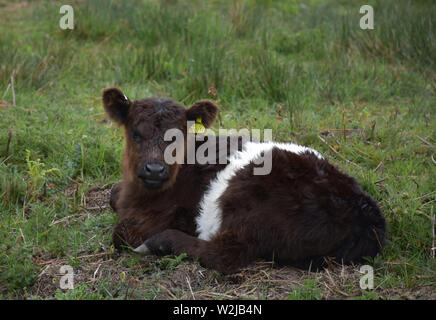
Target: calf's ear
<point x="116" y="105"/>
<point x="204" y="109"/>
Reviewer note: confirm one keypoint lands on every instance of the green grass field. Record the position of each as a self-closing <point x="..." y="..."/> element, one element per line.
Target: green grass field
<point x="366" y="99"/>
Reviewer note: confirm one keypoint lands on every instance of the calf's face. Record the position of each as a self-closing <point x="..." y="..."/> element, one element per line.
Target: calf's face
<point x="145" y="123"/>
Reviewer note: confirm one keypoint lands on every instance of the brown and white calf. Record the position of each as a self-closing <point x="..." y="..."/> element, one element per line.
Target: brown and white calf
<point x="302" y="212"/>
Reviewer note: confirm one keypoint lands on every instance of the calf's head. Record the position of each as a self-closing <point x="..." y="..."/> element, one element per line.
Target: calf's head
<point x="145" y="123"/>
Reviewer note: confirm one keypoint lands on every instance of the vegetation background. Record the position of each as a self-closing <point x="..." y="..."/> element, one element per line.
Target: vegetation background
<point x="363" y="98"/>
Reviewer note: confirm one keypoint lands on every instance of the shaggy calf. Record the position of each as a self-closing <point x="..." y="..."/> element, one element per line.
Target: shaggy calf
<point x="302" y="212"/>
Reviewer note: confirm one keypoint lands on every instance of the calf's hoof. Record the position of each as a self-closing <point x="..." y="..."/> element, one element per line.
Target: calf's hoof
<point x="142" y="249"/>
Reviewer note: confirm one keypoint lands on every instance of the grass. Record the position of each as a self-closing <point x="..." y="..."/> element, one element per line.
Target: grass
<point x="364" y="98"/>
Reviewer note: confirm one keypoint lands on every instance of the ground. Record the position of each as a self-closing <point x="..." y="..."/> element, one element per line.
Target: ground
<point x="364" y="98"/>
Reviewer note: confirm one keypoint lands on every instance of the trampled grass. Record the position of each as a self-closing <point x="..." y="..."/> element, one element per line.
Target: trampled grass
<point x="364" y="98"/>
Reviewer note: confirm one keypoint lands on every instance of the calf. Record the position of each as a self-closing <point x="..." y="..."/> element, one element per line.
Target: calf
<point x="304" y="211"/>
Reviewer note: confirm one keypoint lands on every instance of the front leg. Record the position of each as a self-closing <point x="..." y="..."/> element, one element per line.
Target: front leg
<point x="223" y="253"/>
<point x="127" y="234"/>
<point x="171" y="241"/>
<point x="115" y="194"/>
<point x="135" y="229"/>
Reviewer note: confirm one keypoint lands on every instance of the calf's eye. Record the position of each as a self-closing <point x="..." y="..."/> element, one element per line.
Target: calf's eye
<point x="136" y="136"/>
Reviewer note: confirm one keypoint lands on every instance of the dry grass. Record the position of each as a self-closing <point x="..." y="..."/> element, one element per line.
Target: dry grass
<point x="190" y="281"/>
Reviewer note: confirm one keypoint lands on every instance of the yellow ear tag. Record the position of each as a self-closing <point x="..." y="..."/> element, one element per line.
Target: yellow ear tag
<point x="198" y="127"/>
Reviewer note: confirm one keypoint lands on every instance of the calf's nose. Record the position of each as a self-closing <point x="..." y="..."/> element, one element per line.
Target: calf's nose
<point x="153" y="174"/>
<point x="154" y="168"/>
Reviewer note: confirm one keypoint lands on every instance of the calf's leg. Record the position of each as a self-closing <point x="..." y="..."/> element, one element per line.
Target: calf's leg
<point x="115" y="194"/>
<point x="126" y="234"/>
<point x="223" y="253"/>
